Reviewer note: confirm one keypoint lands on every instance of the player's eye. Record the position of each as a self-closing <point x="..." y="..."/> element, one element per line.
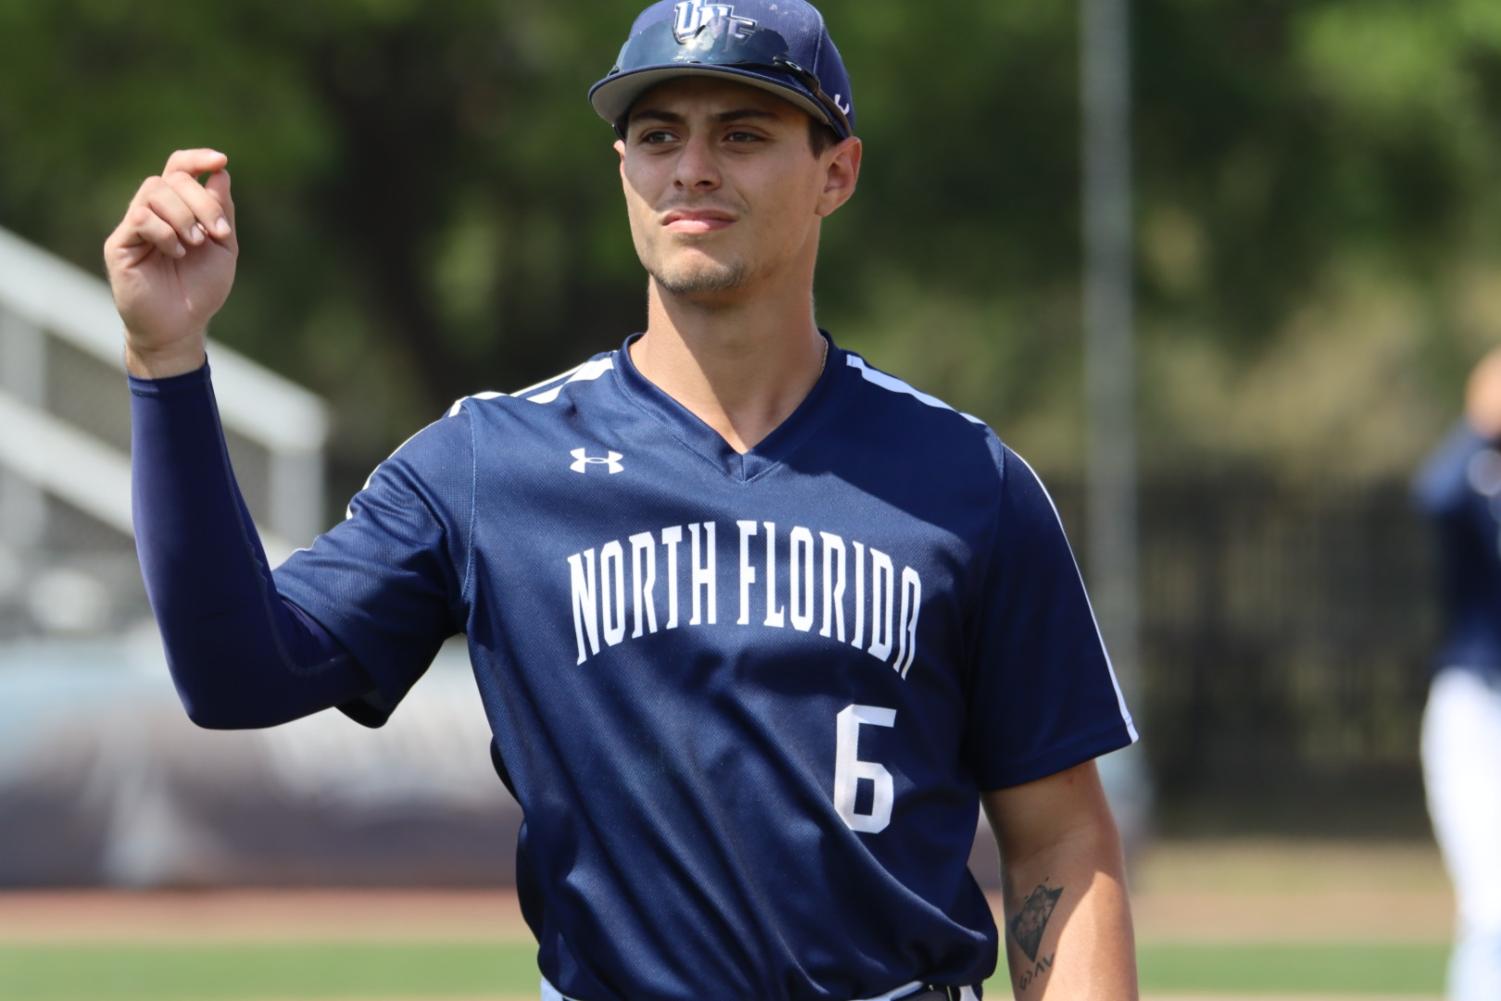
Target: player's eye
<point x="655" y="137"/>
<point x="742" y="136"/>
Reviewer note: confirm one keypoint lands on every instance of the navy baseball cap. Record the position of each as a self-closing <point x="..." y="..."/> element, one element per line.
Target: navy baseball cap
<point x="781" y="46"/>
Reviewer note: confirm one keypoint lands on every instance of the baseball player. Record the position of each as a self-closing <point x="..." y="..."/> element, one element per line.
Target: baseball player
<point x="1460" y="489"/>
<point x="759" y="627"/>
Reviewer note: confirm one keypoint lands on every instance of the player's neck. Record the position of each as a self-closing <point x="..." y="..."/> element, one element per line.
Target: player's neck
<point x="741" y="368"/>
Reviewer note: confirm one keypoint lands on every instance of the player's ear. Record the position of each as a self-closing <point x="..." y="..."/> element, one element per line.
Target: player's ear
<point x="841" y="175"/>
<point x="620" y="149"/>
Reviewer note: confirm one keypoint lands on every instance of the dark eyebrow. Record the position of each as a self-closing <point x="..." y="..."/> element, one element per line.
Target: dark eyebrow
<point x="726" y="117"/>
<point x="748" y="113"/>
<point x="652" y="115"/>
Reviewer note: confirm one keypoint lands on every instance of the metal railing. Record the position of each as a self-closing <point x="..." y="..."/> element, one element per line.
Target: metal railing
<point x="47" y="455"/>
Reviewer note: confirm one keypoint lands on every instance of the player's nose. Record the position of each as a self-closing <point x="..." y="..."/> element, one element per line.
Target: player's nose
<point x="697" y="166"/>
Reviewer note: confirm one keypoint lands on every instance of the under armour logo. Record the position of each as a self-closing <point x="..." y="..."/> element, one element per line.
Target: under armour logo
<point x="582" y="460"/>
<point x="690" y="16"/>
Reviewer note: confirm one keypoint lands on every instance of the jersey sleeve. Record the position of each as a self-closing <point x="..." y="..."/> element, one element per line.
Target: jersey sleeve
<point x="389" y="581"/>
<point x="1043" y="694"/>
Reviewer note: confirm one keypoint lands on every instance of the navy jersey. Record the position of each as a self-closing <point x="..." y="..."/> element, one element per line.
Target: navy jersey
<point x="1459" y="487"/>
<point x="747" y="702"/>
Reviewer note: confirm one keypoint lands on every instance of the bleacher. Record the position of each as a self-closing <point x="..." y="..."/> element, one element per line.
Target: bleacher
<point x="103" y="780"/>
<point x="67" y="565"/>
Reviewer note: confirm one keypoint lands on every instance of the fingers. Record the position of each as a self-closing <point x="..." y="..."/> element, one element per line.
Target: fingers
<point x="196" y="212"/>
<point x="207" y="214"/>
<point x="169" y="203"/>
<point x="181" y="173"/>
<point x="182" y="170"/>
<point x="143" y="230"/>
<point x="173" y="213"/>
<point x="194" y="162"/>
<point x="151" y="228"/>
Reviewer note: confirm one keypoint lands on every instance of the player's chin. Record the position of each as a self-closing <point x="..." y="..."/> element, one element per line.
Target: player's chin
<point x="696" y="275"/>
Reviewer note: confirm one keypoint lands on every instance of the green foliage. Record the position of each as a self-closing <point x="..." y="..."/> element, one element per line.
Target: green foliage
<point x="1298" y="162"/>
<point x="429" y="207"/>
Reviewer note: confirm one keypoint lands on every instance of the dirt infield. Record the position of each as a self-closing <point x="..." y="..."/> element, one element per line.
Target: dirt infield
<point x="1182" y="891"/>
<point x="260" y="915"/>
<point x="1292" y="891"/>
<point x="1227" y="891"/>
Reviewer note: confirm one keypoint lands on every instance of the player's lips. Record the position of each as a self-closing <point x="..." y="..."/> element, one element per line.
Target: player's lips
<point x="697" y="221"/>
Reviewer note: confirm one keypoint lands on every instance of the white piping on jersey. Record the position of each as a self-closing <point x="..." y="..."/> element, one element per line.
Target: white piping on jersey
<point x="587" y="372"/>
<point x="453" y="411"/>
<point x="548" y="381"/>
<point x="896" y="385"/>
<point x="1120" y="698"/>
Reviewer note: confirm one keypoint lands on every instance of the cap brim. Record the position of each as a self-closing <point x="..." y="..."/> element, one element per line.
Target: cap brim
<point x="613" y="96"/>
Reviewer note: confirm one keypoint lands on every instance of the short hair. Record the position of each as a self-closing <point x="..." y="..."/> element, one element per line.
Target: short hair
<point x="821" y="137"/>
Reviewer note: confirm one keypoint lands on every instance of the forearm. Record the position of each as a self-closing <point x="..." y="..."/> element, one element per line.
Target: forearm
<point x="239" y="655"/>
<point x="1068" y="921"/>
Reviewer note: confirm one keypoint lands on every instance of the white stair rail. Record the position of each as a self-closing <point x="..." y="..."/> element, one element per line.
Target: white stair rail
<point x="80" y="469"/>
<point x="40" y="292"/>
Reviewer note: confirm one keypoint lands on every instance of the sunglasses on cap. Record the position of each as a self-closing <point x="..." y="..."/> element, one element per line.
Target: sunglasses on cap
<point x="724" y="43"/>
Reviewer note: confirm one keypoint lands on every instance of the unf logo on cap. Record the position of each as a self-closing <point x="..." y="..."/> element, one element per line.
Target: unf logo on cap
<point x="692" y="15"/>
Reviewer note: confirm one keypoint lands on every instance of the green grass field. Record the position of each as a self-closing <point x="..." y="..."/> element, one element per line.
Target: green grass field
<point x="368" y="971"/>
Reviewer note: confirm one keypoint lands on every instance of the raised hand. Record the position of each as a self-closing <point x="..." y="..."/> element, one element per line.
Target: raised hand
<point x="171" y="263"/>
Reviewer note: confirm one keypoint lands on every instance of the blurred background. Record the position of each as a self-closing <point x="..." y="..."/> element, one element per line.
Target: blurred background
<point x="428" y="208"/>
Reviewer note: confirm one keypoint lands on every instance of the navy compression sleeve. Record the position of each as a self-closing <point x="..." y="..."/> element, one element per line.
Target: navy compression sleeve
<point x="240" y="654"/>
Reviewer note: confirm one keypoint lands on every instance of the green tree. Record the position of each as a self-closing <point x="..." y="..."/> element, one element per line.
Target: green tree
<point x="430" y="207"/>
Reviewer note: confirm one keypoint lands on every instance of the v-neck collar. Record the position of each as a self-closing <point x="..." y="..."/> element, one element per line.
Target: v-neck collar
<point x="709" y="444"/>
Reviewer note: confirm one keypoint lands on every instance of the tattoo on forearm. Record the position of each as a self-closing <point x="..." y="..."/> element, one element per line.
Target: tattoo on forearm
<point x="1029" y="977"/>
<point x="1031" y="921"/>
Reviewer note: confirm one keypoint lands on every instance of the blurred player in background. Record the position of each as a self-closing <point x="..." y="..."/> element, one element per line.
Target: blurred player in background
<point x="757" y="626"/>
<point x="1460" y="489"/>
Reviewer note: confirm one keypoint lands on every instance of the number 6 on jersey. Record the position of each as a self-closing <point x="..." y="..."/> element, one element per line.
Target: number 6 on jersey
<point x="849" y="770"/>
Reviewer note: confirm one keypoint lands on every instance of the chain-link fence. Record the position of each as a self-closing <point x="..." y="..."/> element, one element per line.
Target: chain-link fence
<point x="1286" y="636"/>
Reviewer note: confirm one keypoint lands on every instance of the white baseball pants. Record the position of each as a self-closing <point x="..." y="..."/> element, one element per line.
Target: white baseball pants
<point x="1462" y="773"/>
